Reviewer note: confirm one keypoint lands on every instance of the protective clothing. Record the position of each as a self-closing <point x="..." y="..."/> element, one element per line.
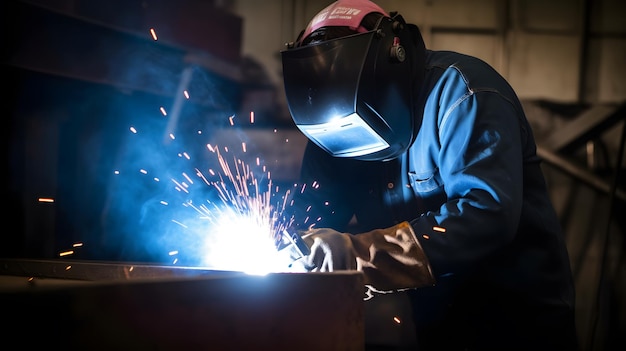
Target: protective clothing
<point x="347" y="13"/>
<point x="472" y="189"/>
<point x="351" y="95"/>
<point x="391" y="259"/>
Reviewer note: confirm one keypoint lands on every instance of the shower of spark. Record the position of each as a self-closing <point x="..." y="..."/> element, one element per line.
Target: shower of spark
<point x="244" y="226"/>
<point x="228" y="215"/>
<point x="238" y="227"/>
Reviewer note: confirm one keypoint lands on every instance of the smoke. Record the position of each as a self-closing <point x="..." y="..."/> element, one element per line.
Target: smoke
<point x="121" y="172"/>
<point x="150" y="182"/>
<point x="145" y="156"/>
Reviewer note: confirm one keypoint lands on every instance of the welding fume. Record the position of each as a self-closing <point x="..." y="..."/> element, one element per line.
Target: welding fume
<point x="427" y="181"/>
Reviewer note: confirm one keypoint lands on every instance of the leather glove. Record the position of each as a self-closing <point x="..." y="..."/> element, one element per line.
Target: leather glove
<point x="390" y="258"/>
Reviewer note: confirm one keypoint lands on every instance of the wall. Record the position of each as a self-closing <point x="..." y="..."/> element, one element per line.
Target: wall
<point x="546" y="49"/>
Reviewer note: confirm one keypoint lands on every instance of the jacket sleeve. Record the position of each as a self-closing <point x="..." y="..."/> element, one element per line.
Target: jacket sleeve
<point x="390" y="258"/>
<point x="480" y="161"/>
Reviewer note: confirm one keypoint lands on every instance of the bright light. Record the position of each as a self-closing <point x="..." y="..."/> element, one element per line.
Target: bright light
<point x="239" y="233"/>
<point x="241" y="243"/>
<point x="349" y="136"/>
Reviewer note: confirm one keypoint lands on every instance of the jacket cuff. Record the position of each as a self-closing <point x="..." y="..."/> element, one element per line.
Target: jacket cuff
<point x="392" y="259"/>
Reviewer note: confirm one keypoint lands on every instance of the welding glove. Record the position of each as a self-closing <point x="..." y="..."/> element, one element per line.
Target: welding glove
<point x="391" y="259"/>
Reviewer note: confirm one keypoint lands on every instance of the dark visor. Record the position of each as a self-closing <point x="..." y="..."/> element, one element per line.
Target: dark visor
<point x="321" y="84"/>
<point x="321" y="80"/>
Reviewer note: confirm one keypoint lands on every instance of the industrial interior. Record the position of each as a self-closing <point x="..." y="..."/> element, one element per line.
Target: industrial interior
<point x="98" y="123"/>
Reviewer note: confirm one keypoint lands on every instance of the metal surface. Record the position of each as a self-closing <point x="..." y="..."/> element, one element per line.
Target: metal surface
<point x="164" y="308"/>
<point x="90" y="271"/>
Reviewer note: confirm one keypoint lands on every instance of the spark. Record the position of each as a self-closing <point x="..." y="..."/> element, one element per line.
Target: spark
<point x="186" y="93"/>
<point x="77" y="245"/>
<point x="179" y="186"/>
<point x="153" y="33"/>
<point x="180" y="224"/>
<point x="245" y="226"/>
<point x="239" y="226"/>
<point x="45" y="199"/>
<point x="188" y="178"/>
<point x="439" y="229"/>
<point x="66" y="253"/>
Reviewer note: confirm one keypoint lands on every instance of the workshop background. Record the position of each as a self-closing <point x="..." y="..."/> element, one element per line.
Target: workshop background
<point x="81" y="76"/>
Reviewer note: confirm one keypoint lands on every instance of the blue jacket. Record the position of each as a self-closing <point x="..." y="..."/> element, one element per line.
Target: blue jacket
<point x="501" y="266"/>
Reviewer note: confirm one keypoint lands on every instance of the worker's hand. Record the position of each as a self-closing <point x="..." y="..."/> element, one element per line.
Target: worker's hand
<point x="330" y="251"/>
<point x="390" y="258"/>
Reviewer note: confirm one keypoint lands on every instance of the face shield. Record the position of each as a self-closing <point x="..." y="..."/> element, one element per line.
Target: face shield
<point x="352" y="96"/>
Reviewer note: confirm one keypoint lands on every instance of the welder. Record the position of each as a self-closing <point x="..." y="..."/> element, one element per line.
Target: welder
<point x="426" y="179"/>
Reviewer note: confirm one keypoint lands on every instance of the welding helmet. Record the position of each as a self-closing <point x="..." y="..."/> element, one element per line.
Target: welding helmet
<point x="353" y="95"/>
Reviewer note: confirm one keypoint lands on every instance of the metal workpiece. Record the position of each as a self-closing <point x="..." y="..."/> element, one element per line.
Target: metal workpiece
<point x="166" y="308"/>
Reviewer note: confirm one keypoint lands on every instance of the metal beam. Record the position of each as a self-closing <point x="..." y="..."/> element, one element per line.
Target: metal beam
<point x="587" y="126"/>
<point x="579" y="173"/>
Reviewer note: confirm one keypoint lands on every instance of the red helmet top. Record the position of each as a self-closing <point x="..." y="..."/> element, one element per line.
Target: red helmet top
<point x="348" y="13"/>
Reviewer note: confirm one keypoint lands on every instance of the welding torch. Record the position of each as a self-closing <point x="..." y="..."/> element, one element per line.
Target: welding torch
<point x="298" y="244"/>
